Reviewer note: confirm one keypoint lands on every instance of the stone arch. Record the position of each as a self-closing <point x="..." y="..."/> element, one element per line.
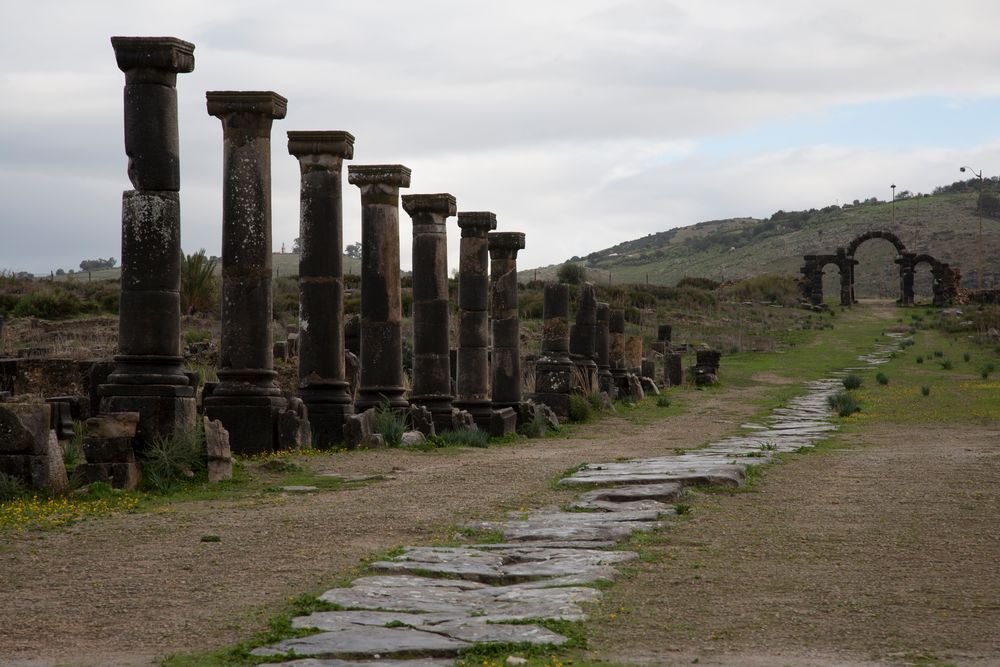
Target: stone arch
<point x="811" y="282"/>
<point x="876" y="234"/>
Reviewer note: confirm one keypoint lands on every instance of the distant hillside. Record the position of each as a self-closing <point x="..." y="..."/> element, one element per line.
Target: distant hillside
<point x="283" y="264"/>
<point x="944" y="225"/>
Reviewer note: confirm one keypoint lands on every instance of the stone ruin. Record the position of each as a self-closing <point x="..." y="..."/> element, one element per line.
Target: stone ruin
<point x="946" y="279"/>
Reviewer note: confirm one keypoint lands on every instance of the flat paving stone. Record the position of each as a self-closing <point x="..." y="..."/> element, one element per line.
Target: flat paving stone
<point x="732" y="475"/>
<point x="608" y="506"/>
<point x="366" y="641"/>
<point x="580" y="526"/>
<point x="313" y="662"/>
<point x="550" y="544"/>
<point x="477" y="631"/>
<point x="338" y="620"/>
<point x="668" y="493"/>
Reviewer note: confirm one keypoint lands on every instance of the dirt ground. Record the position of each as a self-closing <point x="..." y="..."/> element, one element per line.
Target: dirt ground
<point x="128" y="589"/>
<point x="885" y="552"/>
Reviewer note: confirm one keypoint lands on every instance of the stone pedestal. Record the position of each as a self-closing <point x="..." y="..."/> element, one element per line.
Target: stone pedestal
<point x="616" y="343"/>
<point x="506" y="370"/>
<point x="583" y="342"/>
<point x="431" y="386"/>
<point x="473" y="371"/>
<point x="247" y="401"/>
<point x="381" y="302"/>
<point x="322" y="383"/>
<point x="602" y="349"/>
<point x="706" y="369"/>
<point x="554" y="379"/>
<point x="673" y="369"/>
<point x="148" y="377"/>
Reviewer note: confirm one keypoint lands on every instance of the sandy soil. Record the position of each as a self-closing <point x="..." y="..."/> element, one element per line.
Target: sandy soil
<point x="127" y="589"/>
<point x="883" y="553"/>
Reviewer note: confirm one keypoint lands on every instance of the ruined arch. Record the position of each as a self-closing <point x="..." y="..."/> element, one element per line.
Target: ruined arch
<point x="877" y="234"/>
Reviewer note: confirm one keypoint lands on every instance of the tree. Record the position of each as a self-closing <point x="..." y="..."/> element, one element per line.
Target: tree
<point x="989" y="204"/>
<point x="297" y="245"/>
<point x="571" y="274"/>
<point x="197" y="282"/>
<point x="353" y="251"/>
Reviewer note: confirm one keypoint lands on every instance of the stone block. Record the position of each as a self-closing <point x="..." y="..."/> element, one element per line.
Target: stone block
<point x="503" y="422"/>
<point x="420" y="419"/>
<point x="673" y="369"/>
<point x="220" y="460"/>
<point x="649" y="387"/>
<point x="118" y="475"/>
<point x="293" y="429"/>
<point x="647" y="368"/>
<point x="557" y="403"/>
<point x="635" y="387"/>
<point x="359" y="430"/>
<point x="113" y="425"/>
<point x="252" y="421"/>
<point x="412" y="438"/>
<point x="24" y="428"/>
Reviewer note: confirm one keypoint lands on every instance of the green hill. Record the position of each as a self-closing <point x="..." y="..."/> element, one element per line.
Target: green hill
<point x="282" y="264"/>
<point x="943" y="225"/>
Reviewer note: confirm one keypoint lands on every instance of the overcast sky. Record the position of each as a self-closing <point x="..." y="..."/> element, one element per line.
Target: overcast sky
<point x="582" y="123"/>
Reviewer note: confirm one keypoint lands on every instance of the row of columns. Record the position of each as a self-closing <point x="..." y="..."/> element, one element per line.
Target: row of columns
<point x="247" y="400"/>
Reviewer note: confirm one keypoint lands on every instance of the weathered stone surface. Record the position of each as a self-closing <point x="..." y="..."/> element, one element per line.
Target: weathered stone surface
<point x="24" y="428"/>
<point x="312" y="662"/>
<point x="220" y="460"/>
<point x="113" y="425"/>
<point x="649" y="387"/>
<point x="688" y="469"/>
<point x="506" y="362"/>
<point x="294" y="431"/>
<point x="359" y="430"/>
<point x="627" y="506"/>
<point x="367" y="641"/>
<point x="580" y="526"/>
<point x="503" y="422"/>
<point x="472" y="375"/>
<point x="475" y="630"/>
<point x="667" y="493"/>
<point x="412" y="438"/>
<point x="421" y="419"/>
<point x="55" y="479"/>
<point x="119" y="475"/>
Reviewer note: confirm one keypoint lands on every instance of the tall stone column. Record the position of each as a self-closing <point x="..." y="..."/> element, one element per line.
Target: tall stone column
<point x="582" y="337"/>
<point x="906" y="271"/>
<point x="431" y="360"/>
<point x="616" y="343"/>
<point x="322" y="385"/>
<point x="247" y="401"/>
<point x="381" y="300"/>
<point x="148" y="376"/>
<point x="473" y="373"/>
<point x="554" y="369"/>
<point x="602" y="347"/>
<point x="506" y="369"/>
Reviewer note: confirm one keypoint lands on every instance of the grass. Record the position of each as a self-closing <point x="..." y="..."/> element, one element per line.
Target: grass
<point x="391" y="424"/>
<point x="170" y="461"/>
<point x="843" y="403"/>
<point x="852" y="381"/>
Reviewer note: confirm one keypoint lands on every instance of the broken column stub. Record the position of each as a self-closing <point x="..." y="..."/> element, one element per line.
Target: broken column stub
<point x="247" y="401"/>
<point x="323" y="386"/>
<point x="506" y="368"/>
<point x="381" y="298"/>
<point x="616" y="343"/>
<point x="108" y="446"/>
<point x="473" y="371"/>
<point x="554" y="369"/>
<point x="148" y="377"/>
<point x="603" y="350"/>
<point x="431" y="386"/>
<point x="582" y="343"/>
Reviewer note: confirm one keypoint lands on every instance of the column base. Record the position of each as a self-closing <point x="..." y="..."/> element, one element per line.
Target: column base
<point x="481" y="411"/>
<point x="327" y="421"/>
<point x="252" y="421"/>
<point x="373" y="397"/>
<point x="557" y="402"/>
<point x="586" y="370"/>
<point x="440" y="407"/>
<point x="503" y="422"/>
<point x="163" y="409"/>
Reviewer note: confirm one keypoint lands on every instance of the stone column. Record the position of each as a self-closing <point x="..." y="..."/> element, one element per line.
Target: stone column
<point x="148" y="377"/>
<point x="473" y="368"/>
<point x="616" y="343"/>
<point x="582" y="338"/>
<point x="506" y="369"/>
<point x="554" y="370"/>
<point x="602" y="346"/>
<point x="431" y="360"/>
<point x="246" y="401"/>
<point x="322" y="385"/>
<point x="381" y="301"/>
<point x="906" y="270"/>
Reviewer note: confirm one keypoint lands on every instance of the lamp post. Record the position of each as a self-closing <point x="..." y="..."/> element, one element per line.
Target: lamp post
<point x="979" y="237"/>
<point x="893" y="209"/>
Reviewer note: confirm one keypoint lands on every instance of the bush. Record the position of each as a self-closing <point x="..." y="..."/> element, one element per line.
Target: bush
<point x="663" y="401"/>
<point x="73" y="451"/>
<point x="844" y="403"/>
<point x="925" y="390"/>
<point x="172" y="460"/>
<point x="10" y="487"/>
<point x="967" y="357"/>
<point x="920" y="360"/>
<point x="571" y="274"/>
<point x="536" y="427"/>
<point x="579" y="408"/>
<point x="852" y="381"/>
<point x="882" y="378"/>
<point x="946" y="364"/>
<point x="390" y="424"/>
<point x="698" y="283"/>
<point x="465" y="438"/>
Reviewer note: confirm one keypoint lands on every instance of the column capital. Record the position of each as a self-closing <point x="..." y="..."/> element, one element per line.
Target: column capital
<point x="312" y="145"/>
<point x="148" y="59"/>
<point x="266" y="104"/>
<point x="505" y="244"/>
<point x="476" y="223"/>
<point x="395" y="175"/>
<point x="440" y="205"/>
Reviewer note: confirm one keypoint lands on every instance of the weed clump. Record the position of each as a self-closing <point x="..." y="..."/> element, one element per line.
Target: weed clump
<point x="170" y="460"/>
<point x="10" y="487"/>
<point x="967" y="357"/>
<point x="844" y="403"/>
<point x="663" y="401"/>
<point x="579" y="409"/>
<point x="390" y="424"/>
<point x="946" y="364"/>
<point x="882" y="378"/>
<point x="464" y="438"/>
<point x="920" y="360"/>
<point x="852" y="381"/>
<point x="925" y="391"/>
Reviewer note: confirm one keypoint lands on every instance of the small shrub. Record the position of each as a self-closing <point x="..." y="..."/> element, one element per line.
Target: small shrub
<point x="882" y="378"/>
<point x="967" y="357"/>
<point x="682" y="508"/>
<point x="663" y="401"/>
<point x="946" y="364"/>
<point x="852" y="381"/>
<point x="938" y="353"/>
<point x="73" y="451"/>
<point x="596" y="401"/>
<point x="169" y="461"/>
<point x="10" y="487"/>
<point x="844" y="403"/>
<point x="925" y="390"/>
<point x="536" y="427"/>
<point x="391" y="424"/>
<point x="579" y="408"/>
<point x="920" y="360"/>
<point x="465" y="438"/>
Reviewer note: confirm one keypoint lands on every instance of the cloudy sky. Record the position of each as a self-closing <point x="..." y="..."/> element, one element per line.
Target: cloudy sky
<point x="580" y="122"/>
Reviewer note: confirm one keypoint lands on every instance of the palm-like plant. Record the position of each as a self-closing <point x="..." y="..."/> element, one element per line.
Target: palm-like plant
<point x="197" y="282"/>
